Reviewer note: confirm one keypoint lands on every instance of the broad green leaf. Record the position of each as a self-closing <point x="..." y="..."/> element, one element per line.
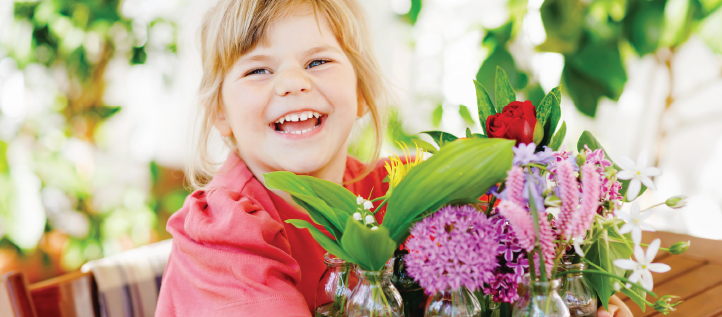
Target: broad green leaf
<point x="332" y="194"/>
<point x="371" y="248"/>
<point x="677" y="22"/>
<point x="603" y="252"/>
<point x="462" y="170"/>
<point x="504" y="93"/>
<point x="486" y="108"/>
<point x="426" y="146"/>
<point x="558" y="138"/>
<point x="639" y="291"/>
<point x="325" y="218"/>
<point x="441" y="138"/>
<point x="588" y="139"/>
<point x="288" y="182"/>
<point x="479" y="136"/>
<point x="465" y="114"/>
<point x="327" y="243"/>
<point x="643" y="25"/>
<point x="564" y="25"/>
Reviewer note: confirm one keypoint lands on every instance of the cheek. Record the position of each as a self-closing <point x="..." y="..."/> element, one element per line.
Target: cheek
<point x="340" y="90"/>
<point x="244" y="107"/>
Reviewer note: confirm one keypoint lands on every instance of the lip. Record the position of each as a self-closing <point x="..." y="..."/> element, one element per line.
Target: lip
<point x="309" y="134"/>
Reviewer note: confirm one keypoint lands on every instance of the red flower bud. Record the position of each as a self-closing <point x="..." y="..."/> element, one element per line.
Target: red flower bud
<point x="516" y="122"/>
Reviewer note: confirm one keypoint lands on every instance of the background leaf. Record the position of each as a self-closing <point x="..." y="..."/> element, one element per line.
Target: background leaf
<point x="465" y="114"/>
<point x="548" y="114"/>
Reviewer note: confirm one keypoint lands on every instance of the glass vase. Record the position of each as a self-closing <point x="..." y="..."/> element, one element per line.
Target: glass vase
<point x="412" y="294"/>
<point x="453" y="303"/>
<point x="576" y="292"/>
<point x="540" y="299"/>
<point x="375" y="296"/>
<point x="335" y="286"/>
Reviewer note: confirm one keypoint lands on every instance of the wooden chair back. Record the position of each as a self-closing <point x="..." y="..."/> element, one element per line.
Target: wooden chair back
<point x="15" y="301"/>
<point x="70" y="295"/>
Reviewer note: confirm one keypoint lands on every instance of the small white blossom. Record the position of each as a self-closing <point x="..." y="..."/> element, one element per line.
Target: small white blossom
<point x="643" y="266"/>
<point x="374" y="228"/>
<point x="638" y="174"/>
<point x="634" y="222"/>
<point x="357" y="216"/>
<point x="577" y="246"/>
<point x="617" y="286"/>
<point x="370" y="219"/>
<point x="359" y="200"/>
<point x="368" y="205"/>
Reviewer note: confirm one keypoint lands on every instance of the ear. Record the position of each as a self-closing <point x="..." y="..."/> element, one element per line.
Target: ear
<point x="222" y="124"/>
<point x="363" y="107"/>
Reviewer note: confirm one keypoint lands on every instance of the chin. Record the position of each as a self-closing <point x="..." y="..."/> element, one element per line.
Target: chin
<point x="303" y="164"/>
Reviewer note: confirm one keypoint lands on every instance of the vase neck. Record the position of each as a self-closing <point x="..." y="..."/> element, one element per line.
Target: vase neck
<point x="542" y="288"/>
<point x="335" y="262"/>
<point x="568" y="266"/>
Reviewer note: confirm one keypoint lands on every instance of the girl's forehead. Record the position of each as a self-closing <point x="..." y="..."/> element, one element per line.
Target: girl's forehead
<point x="299" y="29"/>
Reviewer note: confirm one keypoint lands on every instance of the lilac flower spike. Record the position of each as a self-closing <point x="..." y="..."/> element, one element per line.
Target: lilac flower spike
<point x="525" y="154"/>
<point x="569" y="193"/>
<point x="515" y="186"/>
<point x="455" y="247"/>
<point x="591" y="187"/>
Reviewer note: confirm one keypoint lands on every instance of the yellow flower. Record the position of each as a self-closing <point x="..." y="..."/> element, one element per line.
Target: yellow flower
<point x="397" y="169"/>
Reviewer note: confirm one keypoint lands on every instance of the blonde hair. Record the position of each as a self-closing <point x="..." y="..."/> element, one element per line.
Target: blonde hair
<point x="234" y="27"/>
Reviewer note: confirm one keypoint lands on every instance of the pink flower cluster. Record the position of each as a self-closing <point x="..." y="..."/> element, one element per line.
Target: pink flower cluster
<point x="609" y="187"/>
<point x="457" y="246"/>
<point x="512" y="264"/>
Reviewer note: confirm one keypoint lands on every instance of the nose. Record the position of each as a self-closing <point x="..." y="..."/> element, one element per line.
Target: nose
<point x="290" y="82"/>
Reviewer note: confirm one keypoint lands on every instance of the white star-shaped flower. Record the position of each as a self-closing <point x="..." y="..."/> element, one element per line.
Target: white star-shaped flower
<point x="643" y="266"/>
<point x="634" y="222"/>
<point x="638" y="174"/>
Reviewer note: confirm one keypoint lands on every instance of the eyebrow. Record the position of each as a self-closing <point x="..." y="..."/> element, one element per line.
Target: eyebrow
<point x="320" y="49"/>
<point x="264" y="58"/>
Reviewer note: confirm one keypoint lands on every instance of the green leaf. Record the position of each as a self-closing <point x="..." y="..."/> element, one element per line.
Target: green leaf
<point x="462" y="170"/>
<point x="588" y="139"/>
<point x="558" y="138"/>
<point x="320" y="213"/>
<point x="414" y="11"/>
<point x="468" y="133"/>
<point x="288" y="182"/>
<point x="503" y="91"/>
<point x="643" y="25"/>
<point x="441" y="138"/>
<point x="333" y="194"/>
<point x="639" y="291"/>
<point x="603" y="252"/>
<point x="465" y="114"/>
<point x="486" y="108"/>
<point x="564" y="24"/>
<point x="479" y="136"/>
<point x="426" y="146"/>
<point x="548" y="114"/>
<point x="436" y="116"/>
<point x="370" y="248"/>
<point x="327" y="243"/>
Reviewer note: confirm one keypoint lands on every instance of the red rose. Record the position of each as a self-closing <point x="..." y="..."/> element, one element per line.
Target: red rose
<point x="516" y="122"/>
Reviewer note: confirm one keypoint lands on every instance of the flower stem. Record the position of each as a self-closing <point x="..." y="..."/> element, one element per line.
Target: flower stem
<point x="650" y="207"/>
<point x="379" y="207"/>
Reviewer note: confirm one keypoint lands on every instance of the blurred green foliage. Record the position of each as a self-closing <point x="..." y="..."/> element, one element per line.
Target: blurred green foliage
<point x="89" y="213"/>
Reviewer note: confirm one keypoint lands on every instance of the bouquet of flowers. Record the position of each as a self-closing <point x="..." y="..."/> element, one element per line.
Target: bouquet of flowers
<point x="544" y="214"/>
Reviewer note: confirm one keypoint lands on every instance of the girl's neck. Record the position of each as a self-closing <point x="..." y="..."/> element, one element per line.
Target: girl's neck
<point x="333" y="172"/>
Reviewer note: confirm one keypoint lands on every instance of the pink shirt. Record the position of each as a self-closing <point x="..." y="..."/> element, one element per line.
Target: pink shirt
<point x="233" y="254"/>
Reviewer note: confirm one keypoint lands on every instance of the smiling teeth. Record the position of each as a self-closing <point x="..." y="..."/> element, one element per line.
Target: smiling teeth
<point x="303" y="116"/>
<point x="298" y="132"/>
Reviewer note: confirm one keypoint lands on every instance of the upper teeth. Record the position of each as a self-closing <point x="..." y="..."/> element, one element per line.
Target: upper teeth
<point x="302" y="116"/>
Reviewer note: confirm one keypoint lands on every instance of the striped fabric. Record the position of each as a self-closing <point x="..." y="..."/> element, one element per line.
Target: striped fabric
<point x="129" y="282"/>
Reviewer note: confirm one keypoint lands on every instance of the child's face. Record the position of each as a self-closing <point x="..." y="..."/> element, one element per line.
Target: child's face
<point x="291" y="104"/>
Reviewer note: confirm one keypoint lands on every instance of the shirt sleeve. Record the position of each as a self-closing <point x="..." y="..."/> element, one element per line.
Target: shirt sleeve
<point x="229" y="258"/>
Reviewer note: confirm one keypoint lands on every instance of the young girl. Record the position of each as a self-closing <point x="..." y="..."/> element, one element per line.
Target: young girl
<point x="284" y="82"/>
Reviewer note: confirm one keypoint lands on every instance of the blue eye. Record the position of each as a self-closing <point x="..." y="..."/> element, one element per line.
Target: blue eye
<point x="258" y="71"/>
<point x="317" y="62"/>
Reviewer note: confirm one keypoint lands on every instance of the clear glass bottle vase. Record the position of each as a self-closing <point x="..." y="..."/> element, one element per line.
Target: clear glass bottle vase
<point x="375" y="296"/>
<point x="540" y="299"/>
<point x="453" y="303"/>
<point x="335" y="287"/>
<point x="576" y="292"/>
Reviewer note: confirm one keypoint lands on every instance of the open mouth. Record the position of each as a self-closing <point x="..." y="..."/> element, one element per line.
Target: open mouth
<point x="298" y="122"/>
